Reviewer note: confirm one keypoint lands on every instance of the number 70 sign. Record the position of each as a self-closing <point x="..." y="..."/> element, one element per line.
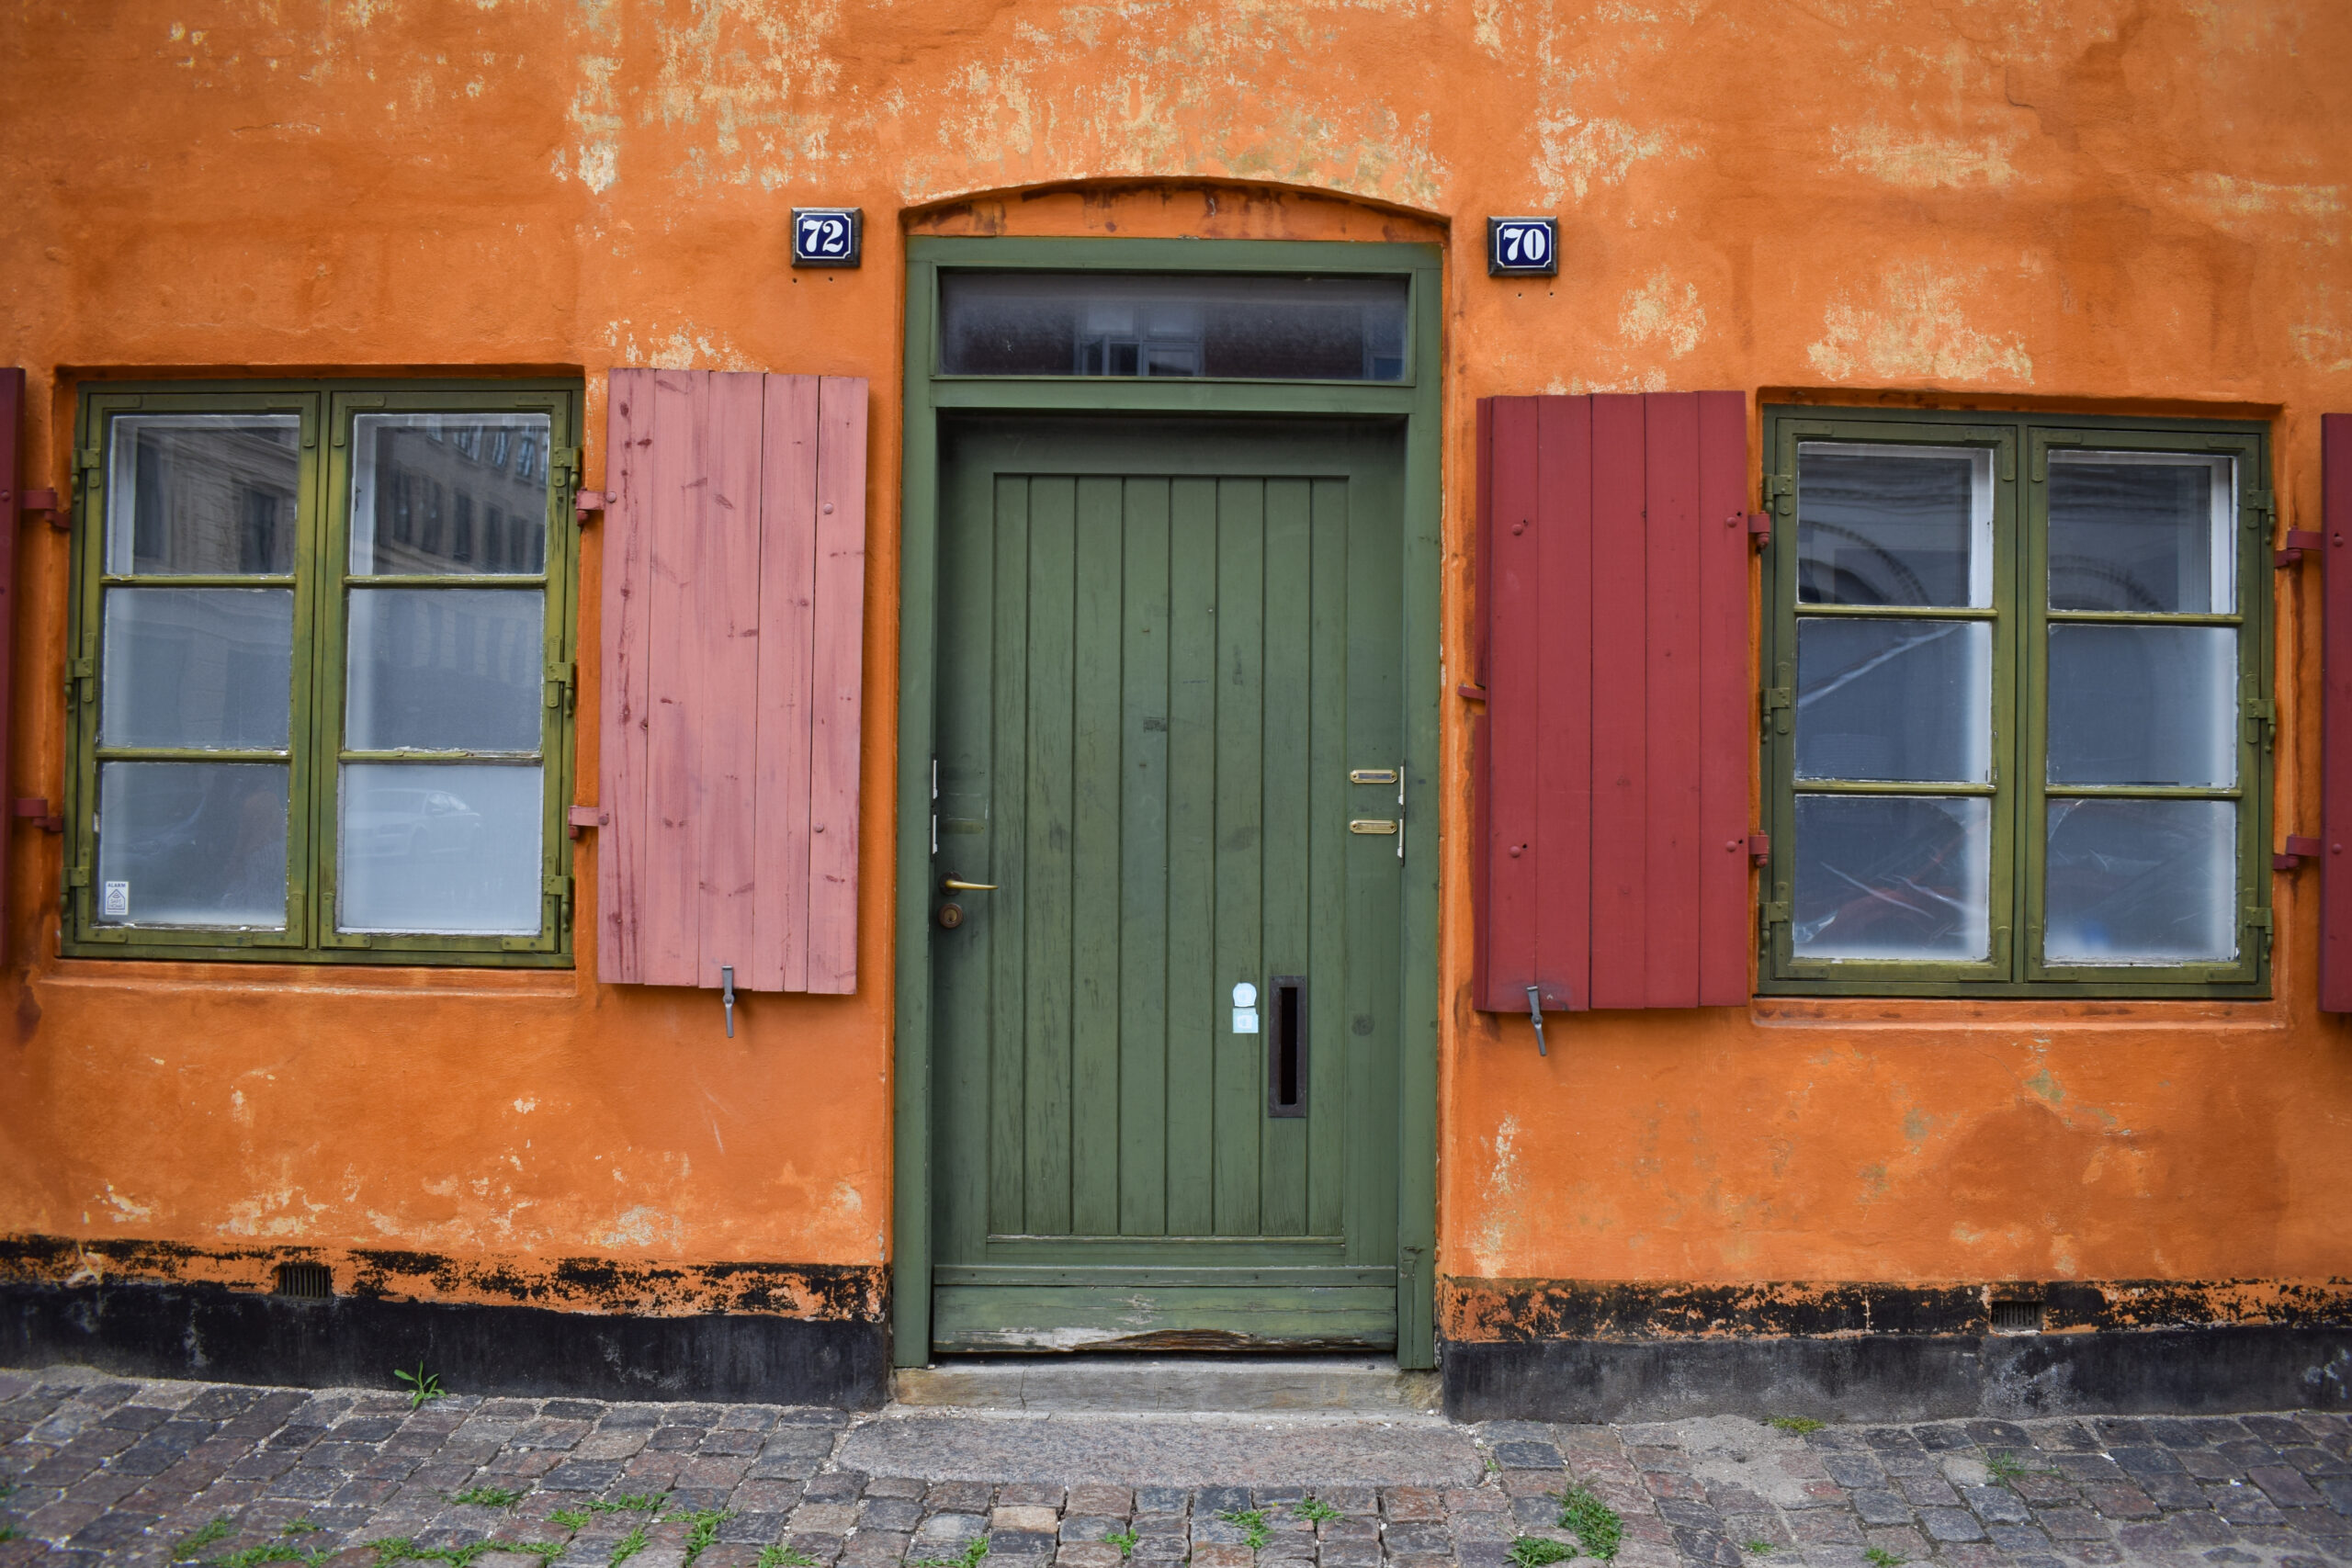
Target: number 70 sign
<point x="1522" y="246"/>
<point x="827" y="236"/>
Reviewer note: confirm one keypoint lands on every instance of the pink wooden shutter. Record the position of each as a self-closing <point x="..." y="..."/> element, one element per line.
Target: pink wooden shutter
<point x="2336" y="718"/>
<point x="734" y="598"/>
<point x="12" y="410"/>
<point x="1615" y="755"/>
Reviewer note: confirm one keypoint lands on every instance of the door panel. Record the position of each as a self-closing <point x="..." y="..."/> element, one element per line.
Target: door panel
<point x="1163" y="646"/>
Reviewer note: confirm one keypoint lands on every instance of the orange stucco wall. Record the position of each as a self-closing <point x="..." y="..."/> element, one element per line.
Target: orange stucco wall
<point x="2126" y="205"/>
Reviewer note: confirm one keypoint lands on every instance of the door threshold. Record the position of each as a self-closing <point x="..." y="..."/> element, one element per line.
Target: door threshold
<point x="1132" y="1385"/>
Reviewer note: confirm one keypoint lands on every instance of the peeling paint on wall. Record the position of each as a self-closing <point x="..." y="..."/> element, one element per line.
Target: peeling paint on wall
<point x="1914" y="328"/>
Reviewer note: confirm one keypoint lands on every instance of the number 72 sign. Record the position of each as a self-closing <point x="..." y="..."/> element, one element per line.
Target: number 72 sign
<point x="827" y="236"/>
<point x="1522" y="246"/>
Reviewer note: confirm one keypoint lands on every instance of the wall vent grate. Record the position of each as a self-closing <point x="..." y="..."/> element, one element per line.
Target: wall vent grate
<point x="2017" y="1317"/>
<point x="305" y="1281"/>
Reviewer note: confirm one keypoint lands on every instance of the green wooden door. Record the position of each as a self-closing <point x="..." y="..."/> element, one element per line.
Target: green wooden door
<point x="1164" y="645"/>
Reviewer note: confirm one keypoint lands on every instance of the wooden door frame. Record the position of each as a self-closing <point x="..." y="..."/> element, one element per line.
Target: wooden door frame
<point x="1416" y="400"/>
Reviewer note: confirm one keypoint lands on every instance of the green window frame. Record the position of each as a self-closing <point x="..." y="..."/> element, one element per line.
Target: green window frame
<point x="423" y="848"/>
<point x="2011" y="599"/>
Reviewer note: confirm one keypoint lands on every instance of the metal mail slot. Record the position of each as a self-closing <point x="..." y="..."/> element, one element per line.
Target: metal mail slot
<point x="1372" y="825"/>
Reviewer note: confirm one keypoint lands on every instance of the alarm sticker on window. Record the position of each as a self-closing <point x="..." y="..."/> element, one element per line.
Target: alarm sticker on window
<point x="114" y="901"/>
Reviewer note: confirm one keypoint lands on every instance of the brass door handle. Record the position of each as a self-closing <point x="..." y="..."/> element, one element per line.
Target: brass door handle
<point x="953" y="886"/>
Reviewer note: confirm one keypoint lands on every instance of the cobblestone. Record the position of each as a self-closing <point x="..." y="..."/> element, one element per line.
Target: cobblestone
<point x="102" y="1470"/>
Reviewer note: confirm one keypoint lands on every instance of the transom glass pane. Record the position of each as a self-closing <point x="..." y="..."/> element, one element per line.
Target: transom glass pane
<point x="1893" y="524"/>
<point x="2142" y="533"/>
<point x="2142" y="882"/>
<point x="2143" y="705"/>
<point x="1892" y="877"/>
<point x="1908" y="701"/>
<point x="191" y="495"/>
<point x="445" y="669"/>
<point x="445" y="492"/>
<point x="451" y="849"/>
<point x="1316" y="329"/>
<point x="209" y="668"/>
<point x="192" y="844"/>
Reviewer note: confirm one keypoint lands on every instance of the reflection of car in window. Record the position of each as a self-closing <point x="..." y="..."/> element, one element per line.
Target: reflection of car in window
<point x="416" y="824"/>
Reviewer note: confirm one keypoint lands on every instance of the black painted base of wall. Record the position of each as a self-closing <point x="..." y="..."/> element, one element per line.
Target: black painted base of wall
<point x="1902" y="1377"/>
<point x="206" y="1331"/>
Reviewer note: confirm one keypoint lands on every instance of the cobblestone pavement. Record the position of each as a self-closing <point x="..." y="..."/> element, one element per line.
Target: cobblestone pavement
<point x="102" y="1470"/>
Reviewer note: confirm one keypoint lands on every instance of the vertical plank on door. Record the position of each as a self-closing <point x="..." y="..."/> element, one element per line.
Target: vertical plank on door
<point x="622" y="688"/>
<point x="677" y="486"/>
<point x="1560" y="602"/>
<point x="1672" y="678"/>
<point x="1726" y="722"/>
<point x="1287" y="749"/>
<point x="786" y="660"/>
<point x="1517" y="724"/>
<point x="1620" y="705"/>
<point x="1330" y="799"/>
<point x="1196" y="1009"/>
<point x="1095" y="686"/>
<point x="1143" y="863"/>
<point x="1240" y="669"/>
<point x="1048" y="878"/>
<point x="837" y="674"/>
<point x="1006" y="917"/>
<point x="724" y="607"/>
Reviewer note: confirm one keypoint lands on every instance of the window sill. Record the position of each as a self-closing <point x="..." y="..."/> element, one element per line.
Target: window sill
<point x="2011" y="1014"/>
<point x="322" y="979"/>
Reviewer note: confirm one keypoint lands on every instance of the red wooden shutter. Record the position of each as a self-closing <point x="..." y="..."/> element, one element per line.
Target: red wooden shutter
<point x="1614" y="758"/>
<point x="733" y="622"/>
<point x="2336" y="718"/>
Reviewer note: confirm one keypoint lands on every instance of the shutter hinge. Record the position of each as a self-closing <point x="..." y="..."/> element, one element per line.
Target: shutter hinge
<point x="577" y="816"/>
<point x="1759" y="529"/>
<point x="1759" y="847"/>
<point x="2294" y="851"/>
<point x="2292" y="549"/>
<point x="2261" y="721"/>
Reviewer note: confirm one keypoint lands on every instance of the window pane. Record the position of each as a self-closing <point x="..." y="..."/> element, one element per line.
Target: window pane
<point x="1890" y="877"/>
<point x="443" y="493"/>
<point x="2143" y="706"/>
<point x="191" y="493"/>
<point x="445" y="670"/>
<point x="2142" y="881"/>
<point x="2146" y="534"/>
<point x="1895" y="700"/>
<point x="1324" y="329"/>
<point x="1893" y="526"/>
<point x="198" y="667"/>
<point x="192" y="844"/>
<point x="439" y="847"/>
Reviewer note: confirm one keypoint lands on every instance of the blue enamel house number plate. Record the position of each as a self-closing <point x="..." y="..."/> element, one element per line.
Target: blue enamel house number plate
<point x="1523" y="247"/>
<point x="827" y="236"/>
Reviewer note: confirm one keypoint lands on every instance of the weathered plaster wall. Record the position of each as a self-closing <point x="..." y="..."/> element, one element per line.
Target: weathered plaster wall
<point x="2136" y="202"/>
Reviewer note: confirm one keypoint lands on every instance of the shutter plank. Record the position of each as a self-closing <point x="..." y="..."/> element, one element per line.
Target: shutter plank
<point x="1481" y="736"/>
<point x="669" y="934"/>
<point x="1563" y="752"/>
<point x="838" y="672"/>
<point x="1670" y="825"/>
<point x="724" y="601"/>
<point x="787" y="659"/>
<point x="1726" y="681"/>
<point x="12" y="478"/>
<point x="2335" y="745"/>
<point x="1620" y="705"/>
<point x="620" y="869"/>
<point x="1514" y="698"/>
